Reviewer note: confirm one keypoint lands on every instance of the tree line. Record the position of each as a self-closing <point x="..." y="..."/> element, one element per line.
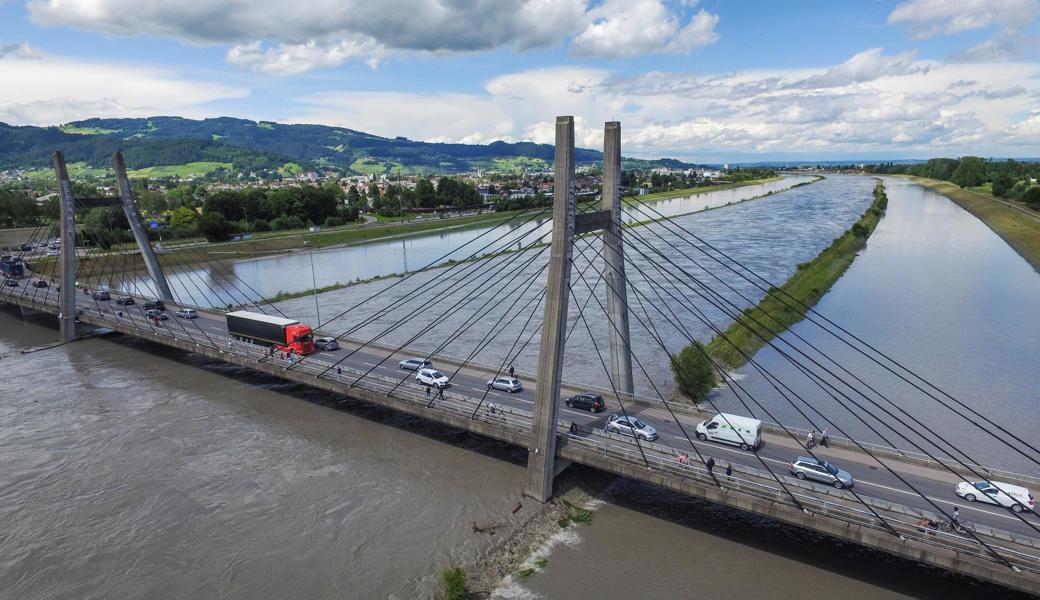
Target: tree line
<point x="1008" y="179"/>
<point x="448" y="192"/>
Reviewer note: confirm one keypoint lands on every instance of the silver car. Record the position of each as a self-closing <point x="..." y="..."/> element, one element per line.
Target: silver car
<point x="806" y="467"/>
<point x="506" y="384"/>
<point x="327" y="344"/>
<point x="414" y="364"/>
<point x="187" y="313"/>
<point x="631" y="426"/>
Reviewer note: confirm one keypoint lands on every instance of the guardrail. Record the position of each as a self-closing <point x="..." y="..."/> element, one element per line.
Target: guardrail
<point x="822" y="500"/>
<point x="881" y="450"/>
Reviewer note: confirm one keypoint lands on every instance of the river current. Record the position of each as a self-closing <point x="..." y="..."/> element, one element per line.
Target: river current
<point x="128" y="470"/>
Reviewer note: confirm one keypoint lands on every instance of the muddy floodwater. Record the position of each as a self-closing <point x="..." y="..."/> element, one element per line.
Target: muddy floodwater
<point x="132" y="471"/>
<point x="129" y="471"/>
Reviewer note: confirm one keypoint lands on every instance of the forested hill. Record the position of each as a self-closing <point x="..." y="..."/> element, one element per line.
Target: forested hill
<point x="254" y="146"/>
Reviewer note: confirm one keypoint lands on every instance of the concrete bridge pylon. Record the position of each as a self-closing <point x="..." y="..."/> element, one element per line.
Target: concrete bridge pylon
<point x="67" y="229"/>
<point x="541" y="461"/>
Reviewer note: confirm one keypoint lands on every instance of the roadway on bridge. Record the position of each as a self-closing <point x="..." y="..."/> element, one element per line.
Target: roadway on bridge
<point x="871" y="479"/>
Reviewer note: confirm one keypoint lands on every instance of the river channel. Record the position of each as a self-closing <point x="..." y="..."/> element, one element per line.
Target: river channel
<point x="130" y="471"/>
<point x="266" y="276"/>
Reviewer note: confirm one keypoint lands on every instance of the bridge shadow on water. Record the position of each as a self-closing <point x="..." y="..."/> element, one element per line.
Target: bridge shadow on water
<point x="764" y="534"/>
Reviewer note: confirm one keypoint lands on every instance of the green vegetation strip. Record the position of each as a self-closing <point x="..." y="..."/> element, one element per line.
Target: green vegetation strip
<point x="453" y="580"/>
<point x="812" y="280"/>
<point x="1015" y="225"/>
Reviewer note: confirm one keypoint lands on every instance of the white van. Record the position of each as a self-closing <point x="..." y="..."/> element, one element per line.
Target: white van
<point x="1015" y="497"/>
<point x="732" y="429"/>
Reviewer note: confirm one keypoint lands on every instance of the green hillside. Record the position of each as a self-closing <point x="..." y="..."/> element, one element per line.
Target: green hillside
<point x="174" y="142"/>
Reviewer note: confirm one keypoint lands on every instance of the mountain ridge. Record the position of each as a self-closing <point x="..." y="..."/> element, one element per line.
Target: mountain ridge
<point x="266" y="145"/>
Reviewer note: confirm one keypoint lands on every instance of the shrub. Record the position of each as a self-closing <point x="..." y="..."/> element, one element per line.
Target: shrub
<point x="454" y="581"/>
<point x="290" y="222"/>
<point x="693" y="372"/>
<point x="215" y="227"/>
<point x="859" y="230"/>
<point x="1032" y="197"/>
<point x="332" y="222"/>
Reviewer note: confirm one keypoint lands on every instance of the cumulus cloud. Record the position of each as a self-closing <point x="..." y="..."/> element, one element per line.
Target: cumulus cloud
<point x="285" y="37"/>
<point x="44" y="90"/>
<point x="293" y="59"/>
<point x="864" y="66"/>
<point x="1011" y="18"/>
<point x="625" y="28"/>
<point x="872" y="103"/>
<point x="23" y="50"/>
<point x="927" y="18"/>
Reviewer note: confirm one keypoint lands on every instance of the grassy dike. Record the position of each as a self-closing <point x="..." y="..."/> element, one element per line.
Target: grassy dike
<point x="809" y="283"/>
<point x="1017" y="226"/>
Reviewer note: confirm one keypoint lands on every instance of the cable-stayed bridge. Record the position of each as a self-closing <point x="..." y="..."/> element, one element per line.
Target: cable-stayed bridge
<point x="584" y="266"/>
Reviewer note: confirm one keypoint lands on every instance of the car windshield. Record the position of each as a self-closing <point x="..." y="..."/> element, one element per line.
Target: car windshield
<point x="639" y="424"/>
<point x="436" y="374"/>
<point x="830" y="468"/>
<point x="306" y="338"/>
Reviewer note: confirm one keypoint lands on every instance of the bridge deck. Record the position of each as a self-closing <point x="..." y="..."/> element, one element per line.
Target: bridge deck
<point x="751" y="488"/>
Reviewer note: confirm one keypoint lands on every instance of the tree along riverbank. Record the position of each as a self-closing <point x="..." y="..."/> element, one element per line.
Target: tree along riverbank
<point x="1016" y="225"/>
<point x="760" y="324"/>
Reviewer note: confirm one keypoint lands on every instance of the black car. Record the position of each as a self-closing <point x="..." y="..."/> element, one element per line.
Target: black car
<point x="40" y="283"/>
<point x="587" y="401"/>
<point x="125" y="301"/>
<point x="155" y="305"/>
<point x="11" y="282"/>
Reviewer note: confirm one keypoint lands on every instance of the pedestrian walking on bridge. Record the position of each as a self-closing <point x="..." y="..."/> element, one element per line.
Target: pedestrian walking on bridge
<point x="710" y="463"/>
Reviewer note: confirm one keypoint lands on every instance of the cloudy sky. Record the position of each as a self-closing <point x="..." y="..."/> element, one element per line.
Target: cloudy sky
<point x="715" y="80"/>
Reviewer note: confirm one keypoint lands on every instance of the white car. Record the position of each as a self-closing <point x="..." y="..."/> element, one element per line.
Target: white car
<point x="1011" y="496"/>
<point x="432" y="378"/>
<point x="187" y="313"/>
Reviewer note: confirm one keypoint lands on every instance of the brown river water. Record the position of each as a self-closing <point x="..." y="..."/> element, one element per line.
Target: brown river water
<point x="131" y="471"/>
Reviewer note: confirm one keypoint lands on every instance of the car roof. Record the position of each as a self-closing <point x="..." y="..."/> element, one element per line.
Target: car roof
<point x="1007" y="487"/>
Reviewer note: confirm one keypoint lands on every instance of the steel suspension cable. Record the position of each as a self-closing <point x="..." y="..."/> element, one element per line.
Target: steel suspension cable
<point x="809" y="310"/>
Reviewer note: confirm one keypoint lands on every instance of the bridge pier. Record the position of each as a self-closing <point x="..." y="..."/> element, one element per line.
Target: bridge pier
<point x="67" y="258"/>
<point x="542" y="448"/>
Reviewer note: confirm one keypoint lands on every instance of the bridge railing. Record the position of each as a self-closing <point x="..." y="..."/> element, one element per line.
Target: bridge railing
<point x="799" y="433"/>
<point x="746" y="480"/>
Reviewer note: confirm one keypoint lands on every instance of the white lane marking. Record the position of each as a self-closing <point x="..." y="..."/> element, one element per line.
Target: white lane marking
<point x="865" y="482"/>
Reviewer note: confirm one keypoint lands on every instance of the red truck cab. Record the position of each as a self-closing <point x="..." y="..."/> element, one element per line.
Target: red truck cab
<point x="300" y="338"/>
